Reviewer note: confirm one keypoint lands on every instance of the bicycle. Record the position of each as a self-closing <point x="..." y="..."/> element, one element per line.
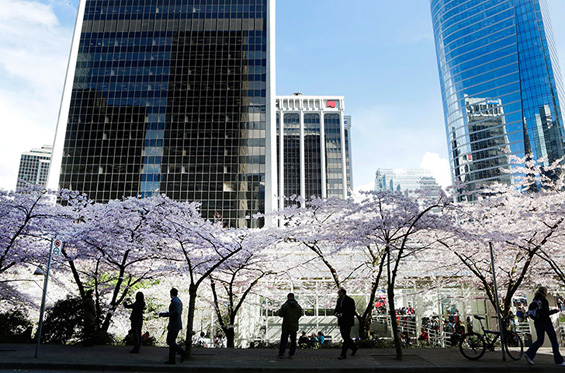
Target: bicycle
<point x="473" y="345"/>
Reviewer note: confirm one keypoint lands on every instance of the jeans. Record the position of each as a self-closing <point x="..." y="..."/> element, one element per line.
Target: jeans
<point x="541" y="329"/>
<point x="347" y="341"/>
<point x="284" y="340"/>
<point x="136" y="334"/>
<point x="89" y="329"/>
<point x="174" y="348"/>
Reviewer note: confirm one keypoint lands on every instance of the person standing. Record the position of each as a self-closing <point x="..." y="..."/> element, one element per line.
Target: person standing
<point x="543" y="324"/>
<point x="345" y="312"/>
<point x="291" y="312"/>
<point x="89" y="318"/>
<point x="136" y="319"/>
<point x="174" y="327"/>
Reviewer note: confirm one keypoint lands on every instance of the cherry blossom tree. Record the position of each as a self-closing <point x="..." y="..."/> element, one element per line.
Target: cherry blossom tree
<point x="521" y="221"/>
<point x="29" y="220"/>
<point x="402" y="225"/>
<point x="327" y="229"/>
<point x="195" y="248"/>
<point x="232" y="283"/>
<point x="108" y="248"/>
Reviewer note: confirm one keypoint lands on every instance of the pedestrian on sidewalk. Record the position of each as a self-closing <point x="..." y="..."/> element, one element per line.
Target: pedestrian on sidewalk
<point x="174" y="326"/>
<point x="291" y="312"/>
<point x="345" y="312"/>
<point x="89" y="319"/>
<point x="136" y="319"/>
<point x="543" y="324"/>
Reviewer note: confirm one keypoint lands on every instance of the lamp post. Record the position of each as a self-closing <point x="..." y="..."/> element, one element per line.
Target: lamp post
<point x="500" y="325"/>
<point x="55" y="249"/>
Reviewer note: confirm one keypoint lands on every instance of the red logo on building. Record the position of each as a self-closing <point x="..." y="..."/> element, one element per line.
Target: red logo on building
<point x="330" y="104"/>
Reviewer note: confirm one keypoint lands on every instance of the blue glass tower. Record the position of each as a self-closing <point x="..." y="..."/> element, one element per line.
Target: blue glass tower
<point x="500" y="85"/>
<point x="173" y="97"/>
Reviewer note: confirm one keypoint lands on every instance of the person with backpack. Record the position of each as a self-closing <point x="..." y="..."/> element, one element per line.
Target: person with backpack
<point x="539" y="311"/>
<point x="291" y="312"/>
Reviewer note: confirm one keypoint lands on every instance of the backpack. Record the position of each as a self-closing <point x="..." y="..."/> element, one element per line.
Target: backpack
<point x="533" y="309"/>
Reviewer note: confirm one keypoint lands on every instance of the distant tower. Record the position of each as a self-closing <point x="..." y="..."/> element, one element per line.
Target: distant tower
<point x="173" y="97"/>
<point x="34" y="167"/>
<point x="405" y="180"/>
<point x="501" y="86"/>
<point x="314" y="154"/>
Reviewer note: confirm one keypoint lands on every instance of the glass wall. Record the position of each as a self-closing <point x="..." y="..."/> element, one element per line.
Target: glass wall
<point x="334" y="169"/>
<point x="291" y="140"/>
<point x="169" y="96"/>
<point x="312" y="154"/>
<point x="497" y="77"/>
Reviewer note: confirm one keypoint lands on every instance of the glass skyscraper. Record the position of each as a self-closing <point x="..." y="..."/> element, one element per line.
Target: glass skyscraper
<point x="173" y="97"/>
<point x="500" y="85"/>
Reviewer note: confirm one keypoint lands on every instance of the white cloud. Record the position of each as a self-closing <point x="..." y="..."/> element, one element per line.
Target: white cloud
<point x="395" y="136"/>
<point x="26" y="12"/>
<point x="439" y="167"/>
<point x="34" y="48"/>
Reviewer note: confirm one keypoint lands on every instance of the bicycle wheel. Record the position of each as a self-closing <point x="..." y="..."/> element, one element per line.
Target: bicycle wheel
<point x="472" y="346"/>
<point x="514" y="345"/>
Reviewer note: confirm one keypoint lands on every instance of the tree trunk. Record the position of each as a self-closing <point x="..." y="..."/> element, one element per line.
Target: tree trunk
<point x="394" y="323"/>
<point x="365" y="327"/>
<point x="107" y="318"/>
<point x="190" y="320"/>
<point x="230" y="337"/>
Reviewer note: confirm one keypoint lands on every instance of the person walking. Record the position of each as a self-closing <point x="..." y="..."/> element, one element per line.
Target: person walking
<point x="543" y="324"/>
<point x="291" y="312"/>
<point x="89" y="319"/>
<point x="174" y="326"/>
<point x="136" y="319"/>
<point x="345" y="312"/>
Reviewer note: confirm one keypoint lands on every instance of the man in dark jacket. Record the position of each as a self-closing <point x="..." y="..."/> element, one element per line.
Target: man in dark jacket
<point x="290" y="312"/>
<point x="89" y="318"/>
<point x="175" y="325"/>
<point x="543" y="325"/>
<point x="345" y="312"/>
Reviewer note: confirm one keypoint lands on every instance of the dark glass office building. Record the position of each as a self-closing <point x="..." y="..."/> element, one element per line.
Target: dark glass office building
<point x="500" y="84"/>
<point x="173" y="97"/>
<point x="313" y="147"/>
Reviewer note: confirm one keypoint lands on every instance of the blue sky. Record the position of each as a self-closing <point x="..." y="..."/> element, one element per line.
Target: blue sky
<point x="379" y="54"/>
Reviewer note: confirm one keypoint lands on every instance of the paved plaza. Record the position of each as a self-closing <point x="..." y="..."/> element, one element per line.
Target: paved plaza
<point x="111" y="358"/>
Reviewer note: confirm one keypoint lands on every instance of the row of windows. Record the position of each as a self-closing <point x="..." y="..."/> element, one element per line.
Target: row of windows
<point x="179" y="23"/>
<point x="180" y="7"/>
<point x="462" y="11"/>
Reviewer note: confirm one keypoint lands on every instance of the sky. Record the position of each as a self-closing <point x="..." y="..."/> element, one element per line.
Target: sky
<point x="379" y="54"/>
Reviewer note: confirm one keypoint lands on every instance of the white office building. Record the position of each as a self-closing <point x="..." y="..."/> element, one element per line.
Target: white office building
<point x="314" y="155"/>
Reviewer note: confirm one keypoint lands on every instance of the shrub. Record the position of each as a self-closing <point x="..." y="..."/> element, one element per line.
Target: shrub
<point x="15" y="327"/>
<point x="63" y="321"/>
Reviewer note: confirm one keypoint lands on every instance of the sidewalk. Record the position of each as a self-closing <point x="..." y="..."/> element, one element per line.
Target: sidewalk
<point x="111" y="358"/>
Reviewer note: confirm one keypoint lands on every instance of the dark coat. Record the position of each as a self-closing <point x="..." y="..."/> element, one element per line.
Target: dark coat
<point x="290" y="312"/>
<point x="544" y="312"/>
<point x="136" y="310"/>
<point x="89" y="311"/>
<point x="347" y="308"/>
<point x="174" y="315"/>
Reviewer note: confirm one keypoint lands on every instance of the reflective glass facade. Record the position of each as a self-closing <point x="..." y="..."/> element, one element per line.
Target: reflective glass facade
<point x="500" y="84"/>
<point x="171" y="96"/>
